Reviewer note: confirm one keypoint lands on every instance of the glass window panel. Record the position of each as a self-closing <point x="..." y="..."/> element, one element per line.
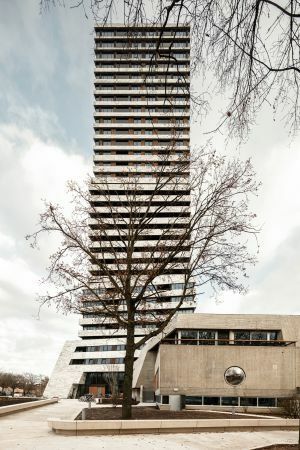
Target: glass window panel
<point x="193" y="400"/>
<point x="207" y="337"/>
<point x="259" y="335"/>
<point x="211" y="400"/>
<point x="248" y="401"/>
<point x="189" y="337"/>
<point x="268" y="402"/>
<point x="223" y="337"/>
<point x="229" y="401"/>
<point x="165" y="399"/>
<point x="242" y="336"/>
<point x="273" y="335"/>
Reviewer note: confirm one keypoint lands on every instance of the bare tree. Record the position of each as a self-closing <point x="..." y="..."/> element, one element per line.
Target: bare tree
<point x="43" y="381"/>
<point x="4" y="380"/>
<point x="111" y="376"/>
<point x="112" y="256"/>
<point x="250" y="47"/>
<point x="14" y="381"/>
<point x="28" y="382"/>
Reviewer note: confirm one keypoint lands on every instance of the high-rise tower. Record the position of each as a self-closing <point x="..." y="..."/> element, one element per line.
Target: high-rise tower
<point x="141" y="135"/>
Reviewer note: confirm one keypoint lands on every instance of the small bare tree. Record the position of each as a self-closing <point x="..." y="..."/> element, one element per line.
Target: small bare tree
<point x="111" y="377"/>
<point x="112" y="252"/>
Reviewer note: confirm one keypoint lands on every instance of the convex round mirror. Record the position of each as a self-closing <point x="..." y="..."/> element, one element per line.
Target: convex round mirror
<point x="234" y="375"/>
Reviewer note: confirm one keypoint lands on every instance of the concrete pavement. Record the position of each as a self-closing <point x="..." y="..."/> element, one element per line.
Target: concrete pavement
<point x="28" y="430"/>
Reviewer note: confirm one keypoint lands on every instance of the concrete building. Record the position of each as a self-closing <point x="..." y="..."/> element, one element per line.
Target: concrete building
<point x="141" y="129"/>
<point x="187" y="364"/>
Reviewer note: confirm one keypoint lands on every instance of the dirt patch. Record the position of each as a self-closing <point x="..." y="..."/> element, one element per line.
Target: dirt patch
<point x="279" y="447"/>
<point x="150" y="413"/>
<point x="6" y="401"/>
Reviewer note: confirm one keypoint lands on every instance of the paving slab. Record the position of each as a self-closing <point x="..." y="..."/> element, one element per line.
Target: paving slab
<point x="28" y="430"/>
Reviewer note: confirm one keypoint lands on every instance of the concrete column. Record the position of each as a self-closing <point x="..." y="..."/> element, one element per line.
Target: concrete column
<point x="175" y="402"/>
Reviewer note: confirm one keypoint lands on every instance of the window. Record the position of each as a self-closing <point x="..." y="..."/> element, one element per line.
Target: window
<point x="211" y="400"/>
<point x="267" y="402"/>
<point x="229" y="401"/>
<point x="165" y="399"/>
<point x="248" y="401"/>
<point x="189" y="337"/>
<point x="258" y="336"/>
<point x="193" y="400"/>
<point x="207" y="337"/>
<point x="223" y="337"/>
<point x="242" y="336"/>
<point x="273" y="335"/>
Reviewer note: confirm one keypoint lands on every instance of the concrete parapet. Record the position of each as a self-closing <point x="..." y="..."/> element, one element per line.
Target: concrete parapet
<point x="99" y="427"/>
<point x="10" y="409"/>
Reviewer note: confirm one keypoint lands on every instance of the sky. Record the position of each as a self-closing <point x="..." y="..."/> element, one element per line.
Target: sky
<point x="46" y="112"/>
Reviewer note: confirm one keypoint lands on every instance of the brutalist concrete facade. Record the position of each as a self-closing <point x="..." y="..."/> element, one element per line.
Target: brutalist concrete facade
<point x="190" y="360"/>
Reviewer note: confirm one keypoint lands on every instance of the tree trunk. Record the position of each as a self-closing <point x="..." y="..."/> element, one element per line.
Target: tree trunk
<point x="129" y="360"/>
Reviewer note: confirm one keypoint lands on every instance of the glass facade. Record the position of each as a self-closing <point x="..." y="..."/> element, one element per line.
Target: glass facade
<point x="267" y="402"/>
<point x="225" y="337"/>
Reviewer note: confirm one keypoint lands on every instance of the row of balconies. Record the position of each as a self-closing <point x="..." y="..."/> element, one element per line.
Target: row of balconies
<point x="122" y="66"/>
<point x="150" y="135"/>
<point x="148" y="124"/>
<point x="109" y="333"/>
<point x="113" y="184"/>
<point x="145" y="81"/>
<point x="170" y="113"/>
<point x="152" y="208"/>
<point x="112" y="235"/>
<point x="144" y="244"/>
<point x="139" y="173"/>
<point x="165" y="285"/>
<point x="136" y="126"/>
<point x="138" y="146"/>
<point x="136" y="32"/>
<point x="132" y="45"/>
<point x="175" y="69"/>
<point x="143" y="92"/>
<point x="167" y="306"/>
<point x="128" y="33"/>
<point x="141" y="196"/>
<point x="101" y="55"/>
<point x="135" y="170"/>
<point x="138" y="102"/>
<point x="139" y="158"/>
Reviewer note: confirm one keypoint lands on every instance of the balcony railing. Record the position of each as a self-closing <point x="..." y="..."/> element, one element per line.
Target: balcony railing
<point x="252" y="342"/>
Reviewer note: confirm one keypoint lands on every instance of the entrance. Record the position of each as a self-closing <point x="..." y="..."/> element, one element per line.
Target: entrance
<point x="97" y="391"/>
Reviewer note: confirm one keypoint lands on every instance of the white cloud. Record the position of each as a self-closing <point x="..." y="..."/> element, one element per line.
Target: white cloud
<point x="275" y="281"/>
<point x="32" y="169"/>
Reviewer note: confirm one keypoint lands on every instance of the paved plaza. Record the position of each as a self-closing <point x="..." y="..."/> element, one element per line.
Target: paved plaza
<point x="28" y="430"/>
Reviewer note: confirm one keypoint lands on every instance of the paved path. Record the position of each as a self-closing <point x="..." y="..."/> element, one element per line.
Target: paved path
<point x="28" y="430"/>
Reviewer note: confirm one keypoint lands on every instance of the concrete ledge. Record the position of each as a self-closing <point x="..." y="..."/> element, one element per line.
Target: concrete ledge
<point x="92" y="427"/>
<point x="11" y="409"/>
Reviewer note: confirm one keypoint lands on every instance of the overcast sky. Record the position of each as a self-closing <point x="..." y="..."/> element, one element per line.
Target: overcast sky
<point x="46" y="139"/>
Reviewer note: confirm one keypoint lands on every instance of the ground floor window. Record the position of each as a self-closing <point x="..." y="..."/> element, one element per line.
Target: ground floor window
<point x="211" y="400"/>
<point x="229" y="401"/>
<point x="267" y="402"/>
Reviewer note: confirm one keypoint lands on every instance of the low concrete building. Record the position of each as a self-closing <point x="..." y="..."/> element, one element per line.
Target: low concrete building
<point x="188" y="362"/>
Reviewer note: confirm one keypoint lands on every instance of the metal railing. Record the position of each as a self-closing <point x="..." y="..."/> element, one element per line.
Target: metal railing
<point x="254" y="342"/>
